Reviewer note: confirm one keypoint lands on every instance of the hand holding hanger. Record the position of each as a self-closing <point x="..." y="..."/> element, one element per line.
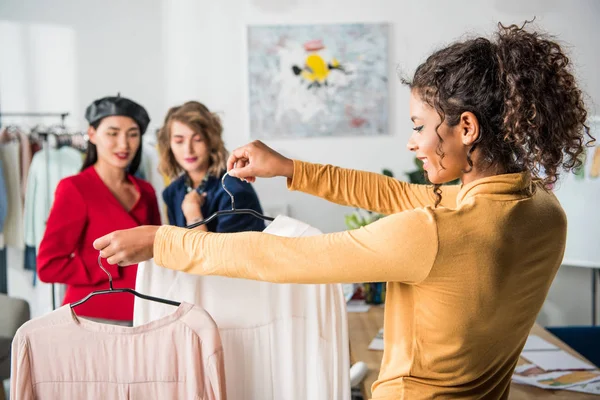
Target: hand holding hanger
<point x="256" y="159"/>
<point x="135" y="245"/>
<point x="129" y="246"/>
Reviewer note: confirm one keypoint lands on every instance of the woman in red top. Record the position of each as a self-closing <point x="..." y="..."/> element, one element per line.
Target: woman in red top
<point x="103" y="197"/>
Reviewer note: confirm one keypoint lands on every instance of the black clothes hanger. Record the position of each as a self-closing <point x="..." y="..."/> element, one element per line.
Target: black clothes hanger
<point x="229" y="212"/>
<point x="204" y="221"/>
<point x="120" y="290"/>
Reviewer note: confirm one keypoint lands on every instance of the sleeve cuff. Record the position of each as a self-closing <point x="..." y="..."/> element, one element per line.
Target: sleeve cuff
<point x="176" y="248"/>
<point x="163" y="236"/>
<point x="295" y="183"/>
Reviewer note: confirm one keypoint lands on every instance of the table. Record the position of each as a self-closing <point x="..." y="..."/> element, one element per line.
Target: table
<point x="363" y="327"/>
<point x="595" y="268"/>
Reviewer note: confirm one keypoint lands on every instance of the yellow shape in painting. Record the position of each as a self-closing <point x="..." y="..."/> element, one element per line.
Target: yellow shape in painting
<point x="316" y="69"/>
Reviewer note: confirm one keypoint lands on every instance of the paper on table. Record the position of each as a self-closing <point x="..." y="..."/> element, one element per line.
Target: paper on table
<point x="592" y="387"/>
<point x="535" y="342"/>
<point x="557" y="360"/>
<point x="377" y="342"/>
<point x="357" y="306"/>
<point x="534" y="376"/>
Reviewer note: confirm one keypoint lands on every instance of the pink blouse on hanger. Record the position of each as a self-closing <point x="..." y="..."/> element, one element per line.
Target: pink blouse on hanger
<point x="61" y="356"/>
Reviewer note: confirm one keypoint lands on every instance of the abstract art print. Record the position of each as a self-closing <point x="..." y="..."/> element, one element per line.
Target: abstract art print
<point x="318" y="80"/>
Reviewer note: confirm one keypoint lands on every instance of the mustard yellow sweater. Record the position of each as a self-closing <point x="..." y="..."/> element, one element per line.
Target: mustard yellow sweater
<point x="465" y="280"/>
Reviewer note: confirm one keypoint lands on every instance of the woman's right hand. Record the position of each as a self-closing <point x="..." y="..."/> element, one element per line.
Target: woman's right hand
<point x="256" y="159"/>
<point x="191" y="206"/>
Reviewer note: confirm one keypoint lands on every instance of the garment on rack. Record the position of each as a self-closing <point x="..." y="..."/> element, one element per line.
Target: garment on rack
<point x="3" y="272"/>
<point x="3" y="212"/>
<point x="63" y="356"/>
<point x="85" y="209"/>
<point x="35" y="147"/>
<point x="3" y="204"/>
<point x="13" y="225"/>
<point x="281" y="341"/>
<point x="47" y="169"/>
<point x="25" y="161"/>
<point x="30" y="262"/>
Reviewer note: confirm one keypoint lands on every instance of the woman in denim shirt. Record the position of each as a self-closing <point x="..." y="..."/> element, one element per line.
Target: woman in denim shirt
<point x="192" y="153"/>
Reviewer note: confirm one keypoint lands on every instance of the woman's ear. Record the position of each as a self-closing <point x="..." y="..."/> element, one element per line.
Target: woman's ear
<point x="469" y="128"/>
<point x="92" y="134"/>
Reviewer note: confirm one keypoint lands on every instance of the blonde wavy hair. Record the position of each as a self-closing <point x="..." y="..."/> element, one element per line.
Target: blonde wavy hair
<point x="201" y="120"/>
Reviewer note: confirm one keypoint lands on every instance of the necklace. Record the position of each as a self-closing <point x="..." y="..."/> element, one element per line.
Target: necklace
<point x="201" y="187"/>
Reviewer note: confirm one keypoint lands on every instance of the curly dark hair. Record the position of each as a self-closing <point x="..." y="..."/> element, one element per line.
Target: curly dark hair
<point x="521" y="89"/>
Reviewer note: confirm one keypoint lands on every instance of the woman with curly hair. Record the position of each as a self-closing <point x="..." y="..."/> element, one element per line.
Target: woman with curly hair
<point x="193" y="154"/>
<point x="468" y="267"/>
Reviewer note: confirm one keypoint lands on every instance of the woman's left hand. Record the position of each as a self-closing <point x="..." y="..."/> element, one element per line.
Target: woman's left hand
<point x="127" y="247"/>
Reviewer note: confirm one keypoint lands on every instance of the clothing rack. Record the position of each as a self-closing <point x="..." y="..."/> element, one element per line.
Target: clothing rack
<point x="45" y="146"/>
<point x="62" y="116"/>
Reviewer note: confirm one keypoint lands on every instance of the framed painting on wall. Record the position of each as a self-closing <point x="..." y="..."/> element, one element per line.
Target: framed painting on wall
<point x="318" y="80"/>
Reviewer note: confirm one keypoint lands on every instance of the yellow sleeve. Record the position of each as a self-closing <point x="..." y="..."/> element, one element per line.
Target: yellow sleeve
<point x="366" y="190"/>
<point x="399" y="248"/>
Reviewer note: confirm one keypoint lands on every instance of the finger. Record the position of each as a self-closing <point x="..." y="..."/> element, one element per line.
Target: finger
<point x="126" y="261"/>
<point x="231" y="162"/>
<point x="115" y="259"/>
<point x="243" y="172"/>
<point x="102" y="242"/>
<point x="242" y="163"/>
<point x="107" y="252"/>
<point x="241" y="153"/>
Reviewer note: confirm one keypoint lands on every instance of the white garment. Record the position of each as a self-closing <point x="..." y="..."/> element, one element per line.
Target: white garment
<point x="48" y="167"/>
<point x="13" y="226"/>
<point x="280" y="341"/>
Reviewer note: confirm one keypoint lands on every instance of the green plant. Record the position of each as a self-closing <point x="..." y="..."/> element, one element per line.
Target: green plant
<point x="580" y="172"/>
<point x="360" y="218"/>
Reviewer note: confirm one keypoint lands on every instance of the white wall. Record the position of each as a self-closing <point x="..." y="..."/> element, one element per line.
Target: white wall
<point x="165" y="52"/>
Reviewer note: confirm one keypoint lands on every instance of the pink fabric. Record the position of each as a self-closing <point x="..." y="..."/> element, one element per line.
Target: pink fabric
<point x="61" y="356"/>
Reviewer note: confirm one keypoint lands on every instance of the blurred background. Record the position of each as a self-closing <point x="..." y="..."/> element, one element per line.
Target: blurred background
<point x="58" y="56"/>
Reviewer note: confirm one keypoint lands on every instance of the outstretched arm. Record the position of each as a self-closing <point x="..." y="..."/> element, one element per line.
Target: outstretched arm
<point x="367" y="190"/>
<point x="400" y="248"/>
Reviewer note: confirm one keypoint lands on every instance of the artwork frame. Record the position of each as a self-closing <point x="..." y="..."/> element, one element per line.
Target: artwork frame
<point x="326" y="80"/>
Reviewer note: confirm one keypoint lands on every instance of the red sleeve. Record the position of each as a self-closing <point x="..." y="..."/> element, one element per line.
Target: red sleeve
<point x="59" y="258"/>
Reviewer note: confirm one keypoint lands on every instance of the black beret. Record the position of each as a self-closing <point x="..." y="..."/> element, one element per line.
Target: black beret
<point x="109" y="106"/>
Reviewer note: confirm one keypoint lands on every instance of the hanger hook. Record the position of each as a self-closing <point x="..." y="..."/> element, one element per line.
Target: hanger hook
<point x="228" y="192"/>
<point x="105" y="270"/>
